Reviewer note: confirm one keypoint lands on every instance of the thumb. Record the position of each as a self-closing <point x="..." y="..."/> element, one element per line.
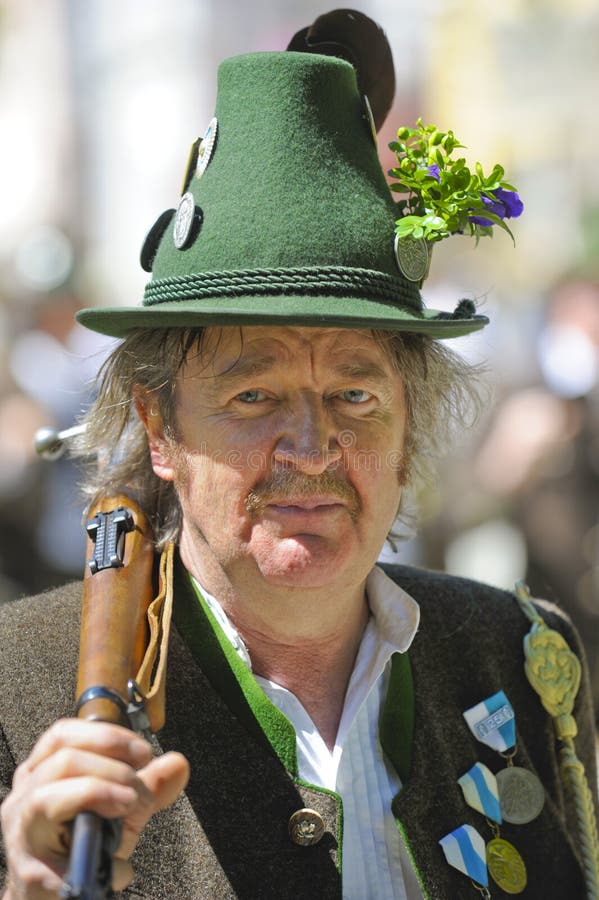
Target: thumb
<point x="164" y="777"/>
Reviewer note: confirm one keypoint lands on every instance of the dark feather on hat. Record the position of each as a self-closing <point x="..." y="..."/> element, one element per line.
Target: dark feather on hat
<point x="354" y="37"/>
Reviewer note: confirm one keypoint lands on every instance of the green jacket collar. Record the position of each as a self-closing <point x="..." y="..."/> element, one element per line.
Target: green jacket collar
<point x="246" y="699"/>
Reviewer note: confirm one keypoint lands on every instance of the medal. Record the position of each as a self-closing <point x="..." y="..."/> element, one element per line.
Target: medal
<point x="412" y="257"/>
<point x="184" y="220"/>
<point x="505" y="865"/>
<point x="516" y="808"/>
<point x="479" y="787"/>
<point x="521" y="794"/>
<point x="192" y="161"/>
<point x="369" y="118"/>
<point x="492" y="722"/>
<point x="464" y="849"/>
<point x="206" y="147"/>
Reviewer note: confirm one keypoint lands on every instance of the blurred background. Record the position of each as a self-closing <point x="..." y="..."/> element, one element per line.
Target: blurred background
<point x="99" y="104"/>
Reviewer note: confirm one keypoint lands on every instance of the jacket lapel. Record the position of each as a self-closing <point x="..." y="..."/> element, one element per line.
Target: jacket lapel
<point x="228" y="836"/>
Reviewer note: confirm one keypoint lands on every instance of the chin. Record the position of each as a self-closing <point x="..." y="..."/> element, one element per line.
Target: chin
<point x="295" y="563"/>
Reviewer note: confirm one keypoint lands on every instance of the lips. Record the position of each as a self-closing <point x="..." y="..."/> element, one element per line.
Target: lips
<point x="306" y="515"/>
<point x="306" y="503"/>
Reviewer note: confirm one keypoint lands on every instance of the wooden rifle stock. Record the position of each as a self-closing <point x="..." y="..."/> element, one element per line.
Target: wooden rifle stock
<point x="114" y="614"/>
<point x="117" y="591"/>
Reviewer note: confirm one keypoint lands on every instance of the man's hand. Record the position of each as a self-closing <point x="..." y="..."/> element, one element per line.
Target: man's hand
<point x="81" y="766"/>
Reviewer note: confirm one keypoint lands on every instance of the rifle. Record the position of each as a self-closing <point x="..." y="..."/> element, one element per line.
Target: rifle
<point x="117" y="593"/>
<point x="122" y="652"/>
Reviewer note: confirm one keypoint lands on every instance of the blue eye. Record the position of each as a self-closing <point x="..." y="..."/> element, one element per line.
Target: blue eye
<point x="250" y="396"/>
<point x="355" y="395"/>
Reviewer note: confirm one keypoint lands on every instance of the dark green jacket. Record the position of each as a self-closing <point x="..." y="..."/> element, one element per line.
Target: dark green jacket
<point x="227" y="836"/>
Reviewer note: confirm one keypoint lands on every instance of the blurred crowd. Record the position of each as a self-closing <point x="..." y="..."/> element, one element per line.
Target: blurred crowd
<point x="47" y="364"/>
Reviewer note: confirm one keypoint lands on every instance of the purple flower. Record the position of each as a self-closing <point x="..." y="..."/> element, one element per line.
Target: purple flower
<point x="512" y="202"/>
<point x="502" y="203"/>
<point x="433" y="170"/>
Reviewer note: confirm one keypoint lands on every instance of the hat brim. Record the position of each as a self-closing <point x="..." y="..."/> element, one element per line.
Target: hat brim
<point x="338" y="312"/>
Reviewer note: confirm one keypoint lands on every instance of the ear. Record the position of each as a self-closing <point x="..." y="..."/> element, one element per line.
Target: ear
<point x="160" y="453"/>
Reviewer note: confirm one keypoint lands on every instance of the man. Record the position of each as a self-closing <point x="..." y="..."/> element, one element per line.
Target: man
<point x="278" y="388"/>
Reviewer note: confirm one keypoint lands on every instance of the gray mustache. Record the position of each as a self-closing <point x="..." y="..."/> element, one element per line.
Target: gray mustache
<point x="287" y="485"/>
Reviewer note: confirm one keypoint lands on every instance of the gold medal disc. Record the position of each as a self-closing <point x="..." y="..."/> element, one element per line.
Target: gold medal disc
<point x="412" y="257"/>
<point x="506" y="866"/>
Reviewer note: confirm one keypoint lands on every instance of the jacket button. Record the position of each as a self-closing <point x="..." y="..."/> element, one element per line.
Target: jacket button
<point x="306" y="827"/>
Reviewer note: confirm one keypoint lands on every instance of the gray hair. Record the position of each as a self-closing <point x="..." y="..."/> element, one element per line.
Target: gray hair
<point x="442" y="395"/>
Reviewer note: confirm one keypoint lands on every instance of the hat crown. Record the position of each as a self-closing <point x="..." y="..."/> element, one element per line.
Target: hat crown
<point x="287" y="219"/>
<point x="294" y="179"/>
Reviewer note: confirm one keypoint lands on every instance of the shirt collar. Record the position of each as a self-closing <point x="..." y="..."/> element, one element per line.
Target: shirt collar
<point x="395" y="614"/>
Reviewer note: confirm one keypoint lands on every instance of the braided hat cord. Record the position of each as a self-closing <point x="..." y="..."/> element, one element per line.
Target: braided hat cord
<point x="316" y="280"/>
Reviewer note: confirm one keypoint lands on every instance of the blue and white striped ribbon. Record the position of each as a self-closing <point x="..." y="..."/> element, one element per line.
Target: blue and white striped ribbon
<point x="464" y="849"/>
<point x="492" y="722"/>
<point x="479" y="787"/>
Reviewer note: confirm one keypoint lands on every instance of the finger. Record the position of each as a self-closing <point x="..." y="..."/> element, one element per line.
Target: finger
<point x="71" y="762"/>
<point x="99" y="737"/>
<point x="165" y="777"/>
<point x="122" y="873"/>
<point x="35" y="879"/>
<point x="51" y="805"/>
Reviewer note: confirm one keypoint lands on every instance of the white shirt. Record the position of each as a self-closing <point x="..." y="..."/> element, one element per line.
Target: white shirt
<point x="376" y="865"/>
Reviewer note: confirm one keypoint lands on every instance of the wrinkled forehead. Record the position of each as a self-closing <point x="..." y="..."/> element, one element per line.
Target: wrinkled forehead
<point x="223" y="349"/>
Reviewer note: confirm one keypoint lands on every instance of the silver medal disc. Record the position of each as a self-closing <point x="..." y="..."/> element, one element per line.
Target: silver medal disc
<point x="206" y="147"/>
<point x="412" y="257"/>
<point x="369" y="118"/>
<point x="184" y="220"/>
<point x="521" y="795"/>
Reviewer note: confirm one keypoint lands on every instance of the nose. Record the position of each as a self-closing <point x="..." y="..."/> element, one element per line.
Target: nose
<point x="308" y="440"/>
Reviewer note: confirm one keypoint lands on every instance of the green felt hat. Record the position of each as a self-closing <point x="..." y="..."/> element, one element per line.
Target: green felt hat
<point x="285" y="215"/>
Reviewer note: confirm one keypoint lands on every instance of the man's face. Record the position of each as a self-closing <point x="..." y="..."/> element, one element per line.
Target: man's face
<point x="288" y="464"/>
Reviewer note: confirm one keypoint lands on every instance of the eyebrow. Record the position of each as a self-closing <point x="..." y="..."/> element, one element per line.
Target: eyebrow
<point x="242" y="368"/>
<point x="258" y="365"/>
<point x="369" y="371"/>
